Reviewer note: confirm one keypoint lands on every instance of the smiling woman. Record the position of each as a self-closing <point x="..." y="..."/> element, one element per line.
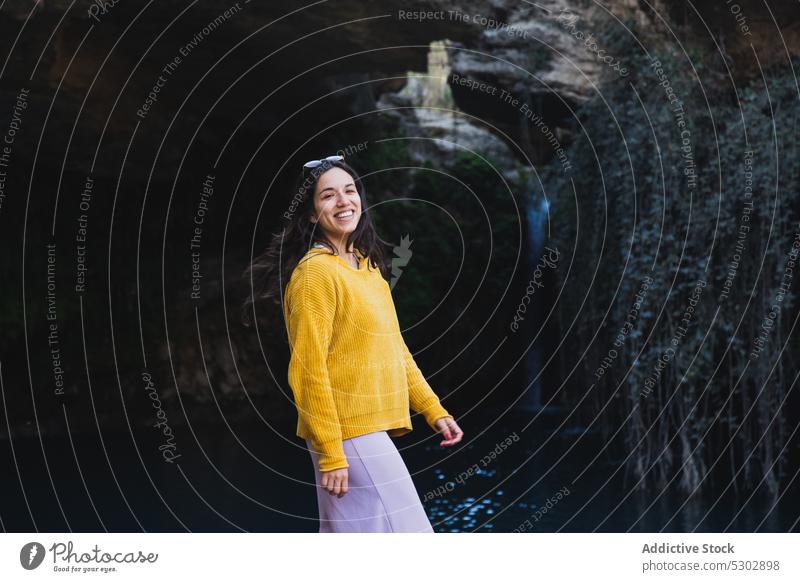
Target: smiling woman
<point x="342" y="328"/>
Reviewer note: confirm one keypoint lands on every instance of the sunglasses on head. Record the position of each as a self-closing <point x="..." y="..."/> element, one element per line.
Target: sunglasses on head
<point x="316" y="163"/>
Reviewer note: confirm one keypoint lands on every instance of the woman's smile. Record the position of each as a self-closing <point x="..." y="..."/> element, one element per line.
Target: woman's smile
<point x="345" y="215"/>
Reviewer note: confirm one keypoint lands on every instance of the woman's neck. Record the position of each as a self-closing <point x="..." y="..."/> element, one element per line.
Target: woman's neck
<point x="340" y="247"/>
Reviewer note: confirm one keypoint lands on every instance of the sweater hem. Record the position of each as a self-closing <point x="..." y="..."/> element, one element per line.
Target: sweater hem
<point x="395" y="421"/>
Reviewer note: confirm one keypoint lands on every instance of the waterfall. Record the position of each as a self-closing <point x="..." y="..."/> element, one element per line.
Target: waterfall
<point x="536" y="215"/>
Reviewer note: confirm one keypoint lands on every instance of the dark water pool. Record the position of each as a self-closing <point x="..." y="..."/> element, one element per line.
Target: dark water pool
<point x="255" y="480"/>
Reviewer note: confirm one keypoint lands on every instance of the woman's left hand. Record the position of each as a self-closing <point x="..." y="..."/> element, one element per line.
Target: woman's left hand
<point x="450" y="429"/>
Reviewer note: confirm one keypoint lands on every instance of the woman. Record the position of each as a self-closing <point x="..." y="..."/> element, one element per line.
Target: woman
<point x="351" y="373"/>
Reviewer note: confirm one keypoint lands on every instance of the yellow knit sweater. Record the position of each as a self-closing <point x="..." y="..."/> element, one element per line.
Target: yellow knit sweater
<point x="350" y="371"/>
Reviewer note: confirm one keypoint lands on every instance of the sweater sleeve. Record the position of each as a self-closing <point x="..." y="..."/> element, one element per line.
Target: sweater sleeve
<point x="421" y="397"/>
<point x="310" y="306"/>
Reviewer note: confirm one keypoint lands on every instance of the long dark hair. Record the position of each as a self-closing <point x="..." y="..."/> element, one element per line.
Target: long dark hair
<point x="269" y="273"/>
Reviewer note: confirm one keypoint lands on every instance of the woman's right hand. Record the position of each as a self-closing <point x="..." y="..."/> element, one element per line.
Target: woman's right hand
<point x="335" y="481"/>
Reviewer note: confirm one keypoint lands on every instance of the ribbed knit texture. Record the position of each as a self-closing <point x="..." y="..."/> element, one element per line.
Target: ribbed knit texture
<point x="350" y="371"/>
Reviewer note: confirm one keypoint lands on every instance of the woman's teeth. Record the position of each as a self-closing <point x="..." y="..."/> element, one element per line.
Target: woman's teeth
<point x="344" y="215"/>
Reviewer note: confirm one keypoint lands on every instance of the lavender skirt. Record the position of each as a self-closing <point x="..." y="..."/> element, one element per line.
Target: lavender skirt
<point x="381" y="496"/>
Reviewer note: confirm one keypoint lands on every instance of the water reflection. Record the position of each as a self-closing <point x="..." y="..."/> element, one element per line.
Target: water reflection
<point x="500" y="497"/>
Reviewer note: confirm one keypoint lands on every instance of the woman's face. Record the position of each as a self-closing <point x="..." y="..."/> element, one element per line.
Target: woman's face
<point x="337" y="205"/>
